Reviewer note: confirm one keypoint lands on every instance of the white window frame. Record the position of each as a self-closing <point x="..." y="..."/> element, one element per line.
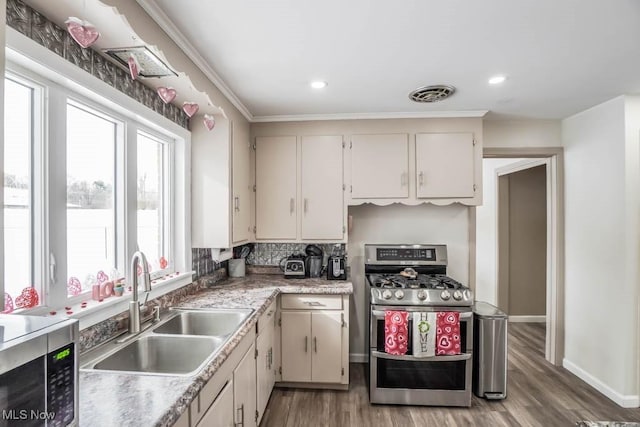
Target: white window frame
<point x="39" y="63"/>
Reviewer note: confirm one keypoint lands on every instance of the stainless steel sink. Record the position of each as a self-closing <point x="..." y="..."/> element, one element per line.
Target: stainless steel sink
<point x="175" y="355"/>
<point x="209" y="322"/>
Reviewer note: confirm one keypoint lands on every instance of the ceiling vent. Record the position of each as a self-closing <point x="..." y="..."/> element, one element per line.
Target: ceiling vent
<point x="432" y="93"/>
<point x="150" y="64"/>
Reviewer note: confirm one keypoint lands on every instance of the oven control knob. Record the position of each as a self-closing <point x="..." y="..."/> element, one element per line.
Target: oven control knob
<point x="386" y="294"/>
<point x="457" y="295"/>
<point x="399" y="294"/>
<point x="445" y="295"/>
<point x="422" y="295"/>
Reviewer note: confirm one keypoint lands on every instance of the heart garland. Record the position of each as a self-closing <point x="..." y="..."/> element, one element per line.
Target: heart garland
<point x="83" y="32"/>
<point x="167" y="94"/>
<point x="28" y="298"/>
<point x="209" y="121"/>
<point x="8" y="304"/>
<point x="134" y="67"/>
<point x="190" y="108"/>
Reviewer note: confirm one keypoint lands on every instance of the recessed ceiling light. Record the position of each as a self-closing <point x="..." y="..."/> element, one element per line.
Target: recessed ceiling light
<point x="319" y="84"/>
<point x="496" y="80"/>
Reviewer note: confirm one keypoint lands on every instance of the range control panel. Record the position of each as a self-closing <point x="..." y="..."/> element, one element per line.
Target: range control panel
<point x="389" y="254"/>
<point x="405" y="254"/>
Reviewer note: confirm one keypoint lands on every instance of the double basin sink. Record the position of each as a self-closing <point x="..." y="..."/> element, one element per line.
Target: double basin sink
<point x="179" y="345"/>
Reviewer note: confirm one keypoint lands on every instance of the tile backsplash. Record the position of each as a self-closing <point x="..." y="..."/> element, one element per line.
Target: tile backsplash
<point x="272" y="253"/>
<point x="202" y="264"/>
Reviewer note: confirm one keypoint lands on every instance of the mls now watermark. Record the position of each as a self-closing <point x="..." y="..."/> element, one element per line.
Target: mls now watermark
<point x="24" y="414"/>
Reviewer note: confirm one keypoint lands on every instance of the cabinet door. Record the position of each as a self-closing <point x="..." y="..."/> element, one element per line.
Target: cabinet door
<point x="265" y="375"/>
<point x="241" y="181"/>
<point x="244" y="389"/>
<point x="296" y="346"/>
<point x="276" y="185"/>
<point x="444" y="165"/>
<point x="379" y="166"/>
<point x="220" y="413"/>
<point x="326" y="359"/>
<point x="322" y="193"/>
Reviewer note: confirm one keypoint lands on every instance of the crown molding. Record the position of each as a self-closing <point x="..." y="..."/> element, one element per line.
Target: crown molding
<point x="371" y="116"/>
<point x="165" y="23"/>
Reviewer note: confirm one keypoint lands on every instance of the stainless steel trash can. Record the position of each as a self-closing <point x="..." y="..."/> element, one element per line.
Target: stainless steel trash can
<point x="489" y="351"/>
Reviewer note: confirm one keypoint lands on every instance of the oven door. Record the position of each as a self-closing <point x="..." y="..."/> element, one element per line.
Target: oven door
<point x="409" y="380"/>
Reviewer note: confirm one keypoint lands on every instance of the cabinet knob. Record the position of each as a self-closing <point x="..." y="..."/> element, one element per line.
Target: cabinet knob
<point x="421" y="178"/>
<point x="292" y="205"/>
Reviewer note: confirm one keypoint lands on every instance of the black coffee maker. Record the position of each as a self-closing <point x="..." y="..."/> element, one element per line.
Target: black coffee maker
<point x="337" y="265"/>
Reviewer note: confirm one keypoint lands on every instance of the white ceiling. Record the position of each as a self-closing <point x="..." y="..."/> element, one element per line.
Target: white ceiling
<point x="561" y="57"/>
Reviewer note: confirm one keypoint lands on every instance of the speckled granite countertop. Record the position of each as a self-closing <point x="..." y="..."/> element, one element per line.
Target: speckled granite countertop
<point x="110" y="399"/>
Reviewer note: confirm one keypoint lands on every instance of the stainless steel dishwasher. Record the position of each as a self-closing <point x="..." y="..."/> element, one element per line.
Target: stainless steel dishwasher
<point x="490" y="351"/>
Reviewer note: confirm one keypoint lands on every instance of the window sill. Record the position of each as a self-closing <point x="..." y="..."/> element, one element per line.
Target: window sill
<point x="96" y="312"/>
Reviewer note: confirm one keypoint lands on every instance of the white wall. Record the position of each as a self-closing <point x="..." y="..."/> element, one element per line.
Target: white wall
<point x="486" y="232"/>
<point x="601" y="276"/>
<point x="402" y="224"/>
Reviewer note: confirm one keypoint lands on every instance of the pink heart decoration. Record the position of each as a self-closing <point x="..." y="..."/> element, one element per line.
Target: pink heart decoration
<point x="190" y="108"/>
<point x="134" y="67"/>
<point x="82" y="32"/>
<point x="167" y="94"/>
<point x="73" y="286"/>
<point x="209" y="121"/>
<point x="102" y="277"/>
<point x="8" y="304"/>
<point x="27" y="299"/>
<point x="163" y="263"/>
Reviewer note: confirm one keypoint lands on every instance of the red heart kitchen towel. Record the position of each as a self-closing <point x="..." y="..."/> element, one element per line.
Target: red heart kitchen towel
<point x="448" y="333"/>
<point x="396" y="335"/>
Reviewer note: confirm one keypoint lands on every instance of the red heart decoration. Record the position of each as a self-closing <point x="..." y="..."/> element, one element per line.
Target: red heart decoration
<point x="82" y="32"/>
<point x="209" y="121"/>
<point x="8" y="304"/>
<point x="134" y="67"/>
<point x="73" y="286"/>
<point x="27" y="299"/>
<point x="163" y="263"/>
<point x="167" y="94"/>
<point x="190" y="108"/>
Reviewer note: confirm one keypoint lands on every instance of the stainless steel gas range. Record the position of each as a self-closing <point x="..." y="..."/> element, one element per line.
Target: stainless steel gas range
<point x="412" y="279"/>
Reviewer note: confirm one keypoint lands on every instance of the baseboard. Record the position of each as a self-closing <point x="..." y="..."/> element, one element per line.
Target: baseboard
<point x="628" y="401"/>
<point x="358" y="358"/>
<point x="528" y="319"/>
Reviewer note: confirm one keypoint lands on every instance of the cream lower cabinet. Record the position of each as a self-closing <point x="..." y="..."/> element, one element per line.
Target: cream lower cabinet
<point x="265" y="362"/>
<point x="220" y="413"/>
<point x="244" y="390"/>
<point x="315" y="339"/>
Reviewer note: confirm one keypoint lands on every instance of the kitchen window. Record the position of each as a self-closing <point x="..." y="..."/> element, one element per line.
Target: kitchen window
<point x="86" y="184"/>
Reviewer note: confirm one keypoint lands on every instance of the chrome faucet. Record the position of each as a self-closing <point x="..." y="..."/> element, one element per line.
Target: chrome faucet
<point x="134" y="306"/>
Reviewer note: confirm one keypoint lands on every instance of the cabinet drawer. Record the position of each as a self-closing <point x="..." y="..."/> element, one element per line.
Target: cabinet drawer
<point x="267" y="319"/>
<point x="311" y="302"/>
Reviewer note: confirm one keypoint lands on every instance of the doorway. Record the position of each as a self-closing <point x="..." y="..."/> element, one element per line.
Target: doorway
<point x="551" y="159"/>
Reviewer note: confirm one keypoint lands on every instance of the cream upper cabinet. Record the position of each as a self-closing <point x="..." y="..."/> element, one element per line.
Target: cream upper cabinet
<point x="322" y="188"/>
<point x="244" y="390"/>
<point x="276" y="188"/>
<point x="379" y="166"/>
<point x="242" y="189"/>
<point x="445" y="165"/>
<point x="221" y="195"/>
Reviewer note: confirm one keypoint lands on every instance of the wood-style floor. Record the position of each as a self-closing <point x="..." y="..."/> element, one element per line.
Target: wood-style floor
<point x="539" y="394"/>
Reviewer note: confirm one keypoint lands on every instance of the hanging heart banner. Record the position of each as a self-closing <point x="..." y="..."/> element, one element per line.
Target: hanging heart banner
<point x="167" y="94"/>
<point x="190" y="108"/>
<point x="209" y="121"/>
<point x="134" y="67"/>
<point x="84" y="33"/>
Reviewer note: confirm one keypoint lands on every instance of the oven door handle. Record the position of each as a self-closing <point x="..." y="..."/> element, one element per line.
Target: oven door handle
<point x="453" y="358"/>
<point x="379" y="314"/>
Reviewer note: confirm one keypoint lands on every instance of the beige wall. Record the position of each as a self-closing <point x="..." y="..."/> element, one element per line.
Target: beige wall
<point x="522" y="133"/>
<point x="527" y="242"/>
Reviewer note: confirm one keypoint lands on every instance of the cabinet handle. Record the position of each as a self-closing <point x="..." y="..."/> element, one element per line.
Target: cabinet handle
<point x="292" y="205"/>
<point x="306" y="341"/>
<point x="237" y="204"/>
<point x="240" y="410"/>
<point x="403" y="179"/>
<point x="306" y="205"/>
<point x="421" y="178"/>
<point x="270" y="357"/>
<point x="315" y="344"/>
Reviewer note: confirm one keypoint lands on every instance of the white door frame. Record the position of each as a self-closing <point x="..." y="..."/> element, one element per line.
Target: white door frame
<point x="552" y="157"/>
